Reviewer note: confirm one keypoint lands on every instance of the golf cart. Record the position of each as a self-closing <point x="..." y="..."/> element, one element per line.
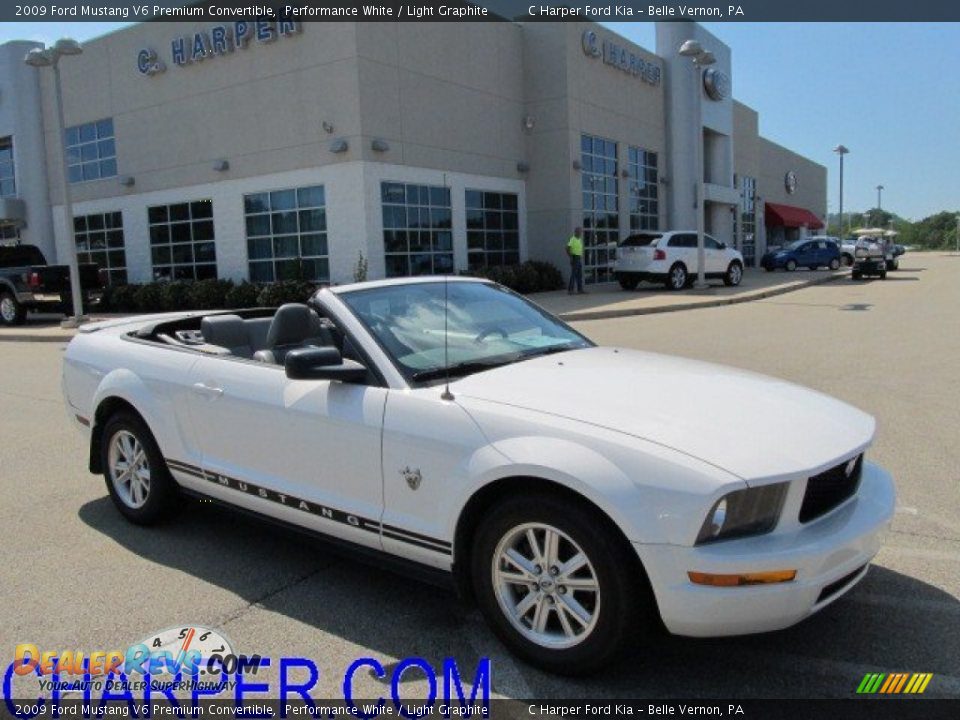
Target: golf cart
<point x="872" y="253"/>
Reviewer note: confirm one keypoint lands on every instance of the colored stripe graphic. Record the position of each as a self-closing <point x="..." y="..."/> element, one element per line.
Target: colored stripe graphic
<point x="894" y="683"/>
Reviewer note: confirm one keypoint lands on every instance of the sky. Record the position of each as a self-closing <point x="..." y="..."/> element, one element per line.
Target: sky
<point x="887" y="91"/>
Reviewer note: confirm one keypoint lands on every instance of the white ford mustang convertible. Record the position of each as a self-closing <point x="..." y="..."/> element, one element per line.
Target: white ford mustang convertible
<point x="581" y="495"/>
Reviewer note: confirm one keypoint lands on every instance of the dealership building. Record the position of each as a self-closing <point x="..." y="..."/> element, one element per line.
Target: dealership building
<point x="265" y="151"/>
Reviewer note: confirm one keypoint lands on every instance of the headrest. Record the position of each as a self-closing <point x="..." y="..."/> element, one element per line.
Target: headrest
<point x="293" y="323"/>
<point x="224" y="330"/>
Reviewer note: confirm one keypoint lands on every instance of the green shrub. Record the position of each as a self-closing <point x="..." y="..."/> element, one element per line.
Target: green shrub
<point x="119" y="299"/>
<point x="148" y="298"/>
<point x="210" y="294"/>
<point x="175" y="296"/>
<point x="285" y="291"/>
<point x="244" y="295"/>
<point x="527" y="277"/>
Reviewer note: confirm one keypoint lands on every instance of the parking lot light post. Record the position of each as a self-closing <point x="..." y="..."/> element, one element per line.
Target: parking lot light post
<point x="700" y="59"/>
<point x="50" y="57"/>
<point x="841" y="151"/>
<point x="879" y="191"/>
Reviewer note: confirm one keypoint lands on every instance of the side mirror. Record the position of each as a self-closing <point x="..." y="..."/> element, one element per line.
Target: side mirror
<point x="723" y="246"/>
<point x="322" y="363"/>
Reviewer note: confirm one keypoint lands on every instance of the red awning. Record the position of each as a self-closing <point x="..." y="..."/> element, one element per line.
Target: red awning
<point x="790" y="216"/>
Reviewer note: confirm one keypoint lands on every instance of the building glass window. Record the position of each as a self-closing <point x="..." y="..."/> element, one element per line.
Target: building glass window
<point x="643" y="189"/>
<point x="748" y="220"/>
<point x="100" y="240"/>
<point x="91" y="151"/>
<point x="601" y="210"/>
<point x="287" y="235"/>
<point x="8" y="184"/>
<point x="417" y="229"/>
<point x="181" y="241"/>
<point x="493" y="229"/>
<point x="8" y="233"/>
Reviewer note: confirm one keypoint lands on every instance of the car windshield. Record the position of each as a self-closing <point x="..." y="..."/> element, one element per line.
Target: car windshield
<point x="486" y="326"/>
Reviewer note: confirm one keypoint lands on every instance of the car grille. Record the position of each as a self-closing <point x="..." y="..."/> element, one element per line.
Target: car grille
<point x="830" y="488"/>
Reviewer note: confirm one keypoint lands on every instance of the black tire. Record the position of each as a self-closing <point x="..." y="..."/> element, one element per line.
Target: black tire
<point x="11" y="311"/>
<point x="734" y="274"/>
<point x="883" y="274"/>
<point x="835" y="264"/>
<point x="161" y="495"/>
<point x="791" y="265"/>
<point x="846" y="260"/>
<point x="624" y="613"/>
<point x="856" y="274"/>
<point x="768" y="268"/>
<point x="677" y="277"/>
<point x="892" y="265"/>
<point x="628" y="282"/>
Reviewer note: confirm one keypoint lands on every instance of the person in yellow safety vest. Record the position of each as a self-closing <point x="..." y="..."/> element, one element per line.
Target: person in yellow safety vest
<point x="575" y="252"/>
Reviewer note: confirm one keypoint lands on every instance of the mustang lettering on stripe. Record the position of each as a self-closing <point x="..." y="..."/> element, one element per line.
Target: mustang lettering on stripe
<point x="374" y="526"/>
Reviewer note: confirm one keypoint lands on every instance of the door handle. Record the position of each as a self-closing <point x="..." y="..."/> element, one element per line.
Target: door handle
<point x="208" y="391"/>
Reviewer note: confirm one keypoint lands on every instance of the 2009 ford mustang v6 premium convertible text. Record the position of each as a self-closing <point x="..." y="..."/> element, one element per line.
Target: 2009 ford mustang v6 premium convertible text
<point x="579" y="494"/>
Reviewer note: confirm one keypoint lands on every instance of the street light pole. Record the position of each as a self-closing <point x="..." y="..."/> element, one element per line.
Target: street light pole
<point x="701" y="58"/>
<point x="879" y="190"/>
<point x="841" y="151"/>
<point x="50" y="57"/>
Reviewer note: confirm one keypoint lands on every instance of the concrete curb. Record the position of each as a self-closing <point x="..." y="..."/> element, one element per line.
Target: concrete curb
<point x="577" y="316"/>
<point x="709" y="303"/>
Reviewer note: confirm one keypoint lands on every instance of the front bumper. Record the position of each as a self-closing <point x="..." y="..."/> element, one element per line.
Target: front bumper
<point x="835" y="547"/>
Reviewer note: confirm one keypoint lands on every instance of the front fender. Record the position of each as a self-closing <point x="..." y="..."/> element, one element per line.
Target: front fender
<point x="651" y="499"/>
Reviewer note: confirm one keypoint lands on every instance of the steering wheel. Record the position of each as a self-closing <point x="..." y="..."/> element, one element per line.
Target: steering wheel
<point x="490" y="331"/>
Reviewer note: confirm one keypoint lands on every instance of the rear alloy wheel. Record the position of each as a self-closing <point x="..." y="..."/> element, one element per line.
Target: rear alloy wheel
<point x="835" y="264"/>
<point x="733" y="275"/>
<point x="11" y="312"/>
<point x="136" y="474"/>
<point x="628" y="282"/>
<point x="791" y="265"/>
<point x="557" y="584"/>
<point x="677" y="277"/>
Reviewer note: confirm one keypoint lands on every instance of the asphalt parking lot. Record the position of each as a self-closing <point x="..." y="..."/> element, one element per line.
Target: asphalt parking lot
<point x="75" y="575"/>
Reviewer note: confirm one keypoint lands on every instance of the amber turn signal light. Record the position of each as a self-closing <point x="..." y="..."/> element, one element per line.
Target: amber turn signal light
<point x="761" y="578"/>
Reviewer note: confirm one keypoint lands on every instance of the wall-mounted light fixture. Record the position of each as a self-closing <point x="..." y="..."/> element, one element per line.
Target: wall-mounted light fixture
<point x="126" y="180"/>
<point x="338" y="146"/>
<point x="523" y="167"/>
<point x="577" y="165"/>
<point x="221" y="165"/>
<point x="379" y="145"/>
<point x="664" y="180"/>
<point x="624" y="173"/>
<point x="529" y="122"/>
<point x="327" y="127"/>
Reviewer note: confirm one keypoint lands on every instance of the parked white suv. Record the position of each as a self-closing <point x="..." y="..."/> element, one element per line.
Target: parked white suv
<point x="671" y="258"/>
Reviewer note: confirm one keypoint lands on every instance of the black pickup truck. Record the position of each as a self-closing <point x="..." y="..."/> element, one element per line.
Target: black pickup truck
<point x="27" y="283"/>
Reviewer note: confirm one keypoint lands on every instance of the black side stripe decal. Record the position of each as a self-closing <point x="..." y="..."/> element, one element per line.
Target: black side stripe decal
<point x="361" y="523"/>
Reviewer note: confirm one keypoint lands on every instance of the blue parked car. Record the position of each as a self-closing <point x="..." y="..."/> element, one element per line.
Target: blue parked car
<point x="811" y="252"/>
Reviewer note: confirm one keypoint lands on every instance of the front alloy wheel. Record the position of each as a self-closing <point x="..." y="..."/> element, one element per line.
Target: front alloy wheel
<point x="734" y="274"/>
<point x="791" y="265"/>
<point x="546" y="585"/>
<point x="558" y="582"/>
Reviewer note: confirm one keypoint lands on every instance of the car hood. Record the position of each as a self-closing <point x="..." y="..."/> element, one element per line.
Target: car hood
<point x="751" y="425"/>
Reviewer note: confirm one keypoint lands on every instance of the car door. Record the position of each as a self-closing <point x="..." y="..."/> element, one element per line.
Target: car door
<point x="304" y="451"/>
<point x="714" y="257"/>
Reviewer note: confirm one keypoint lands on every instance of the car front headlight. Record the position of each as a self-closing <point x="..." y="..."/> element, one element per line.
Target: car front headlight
<point x="753" y="511"/>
